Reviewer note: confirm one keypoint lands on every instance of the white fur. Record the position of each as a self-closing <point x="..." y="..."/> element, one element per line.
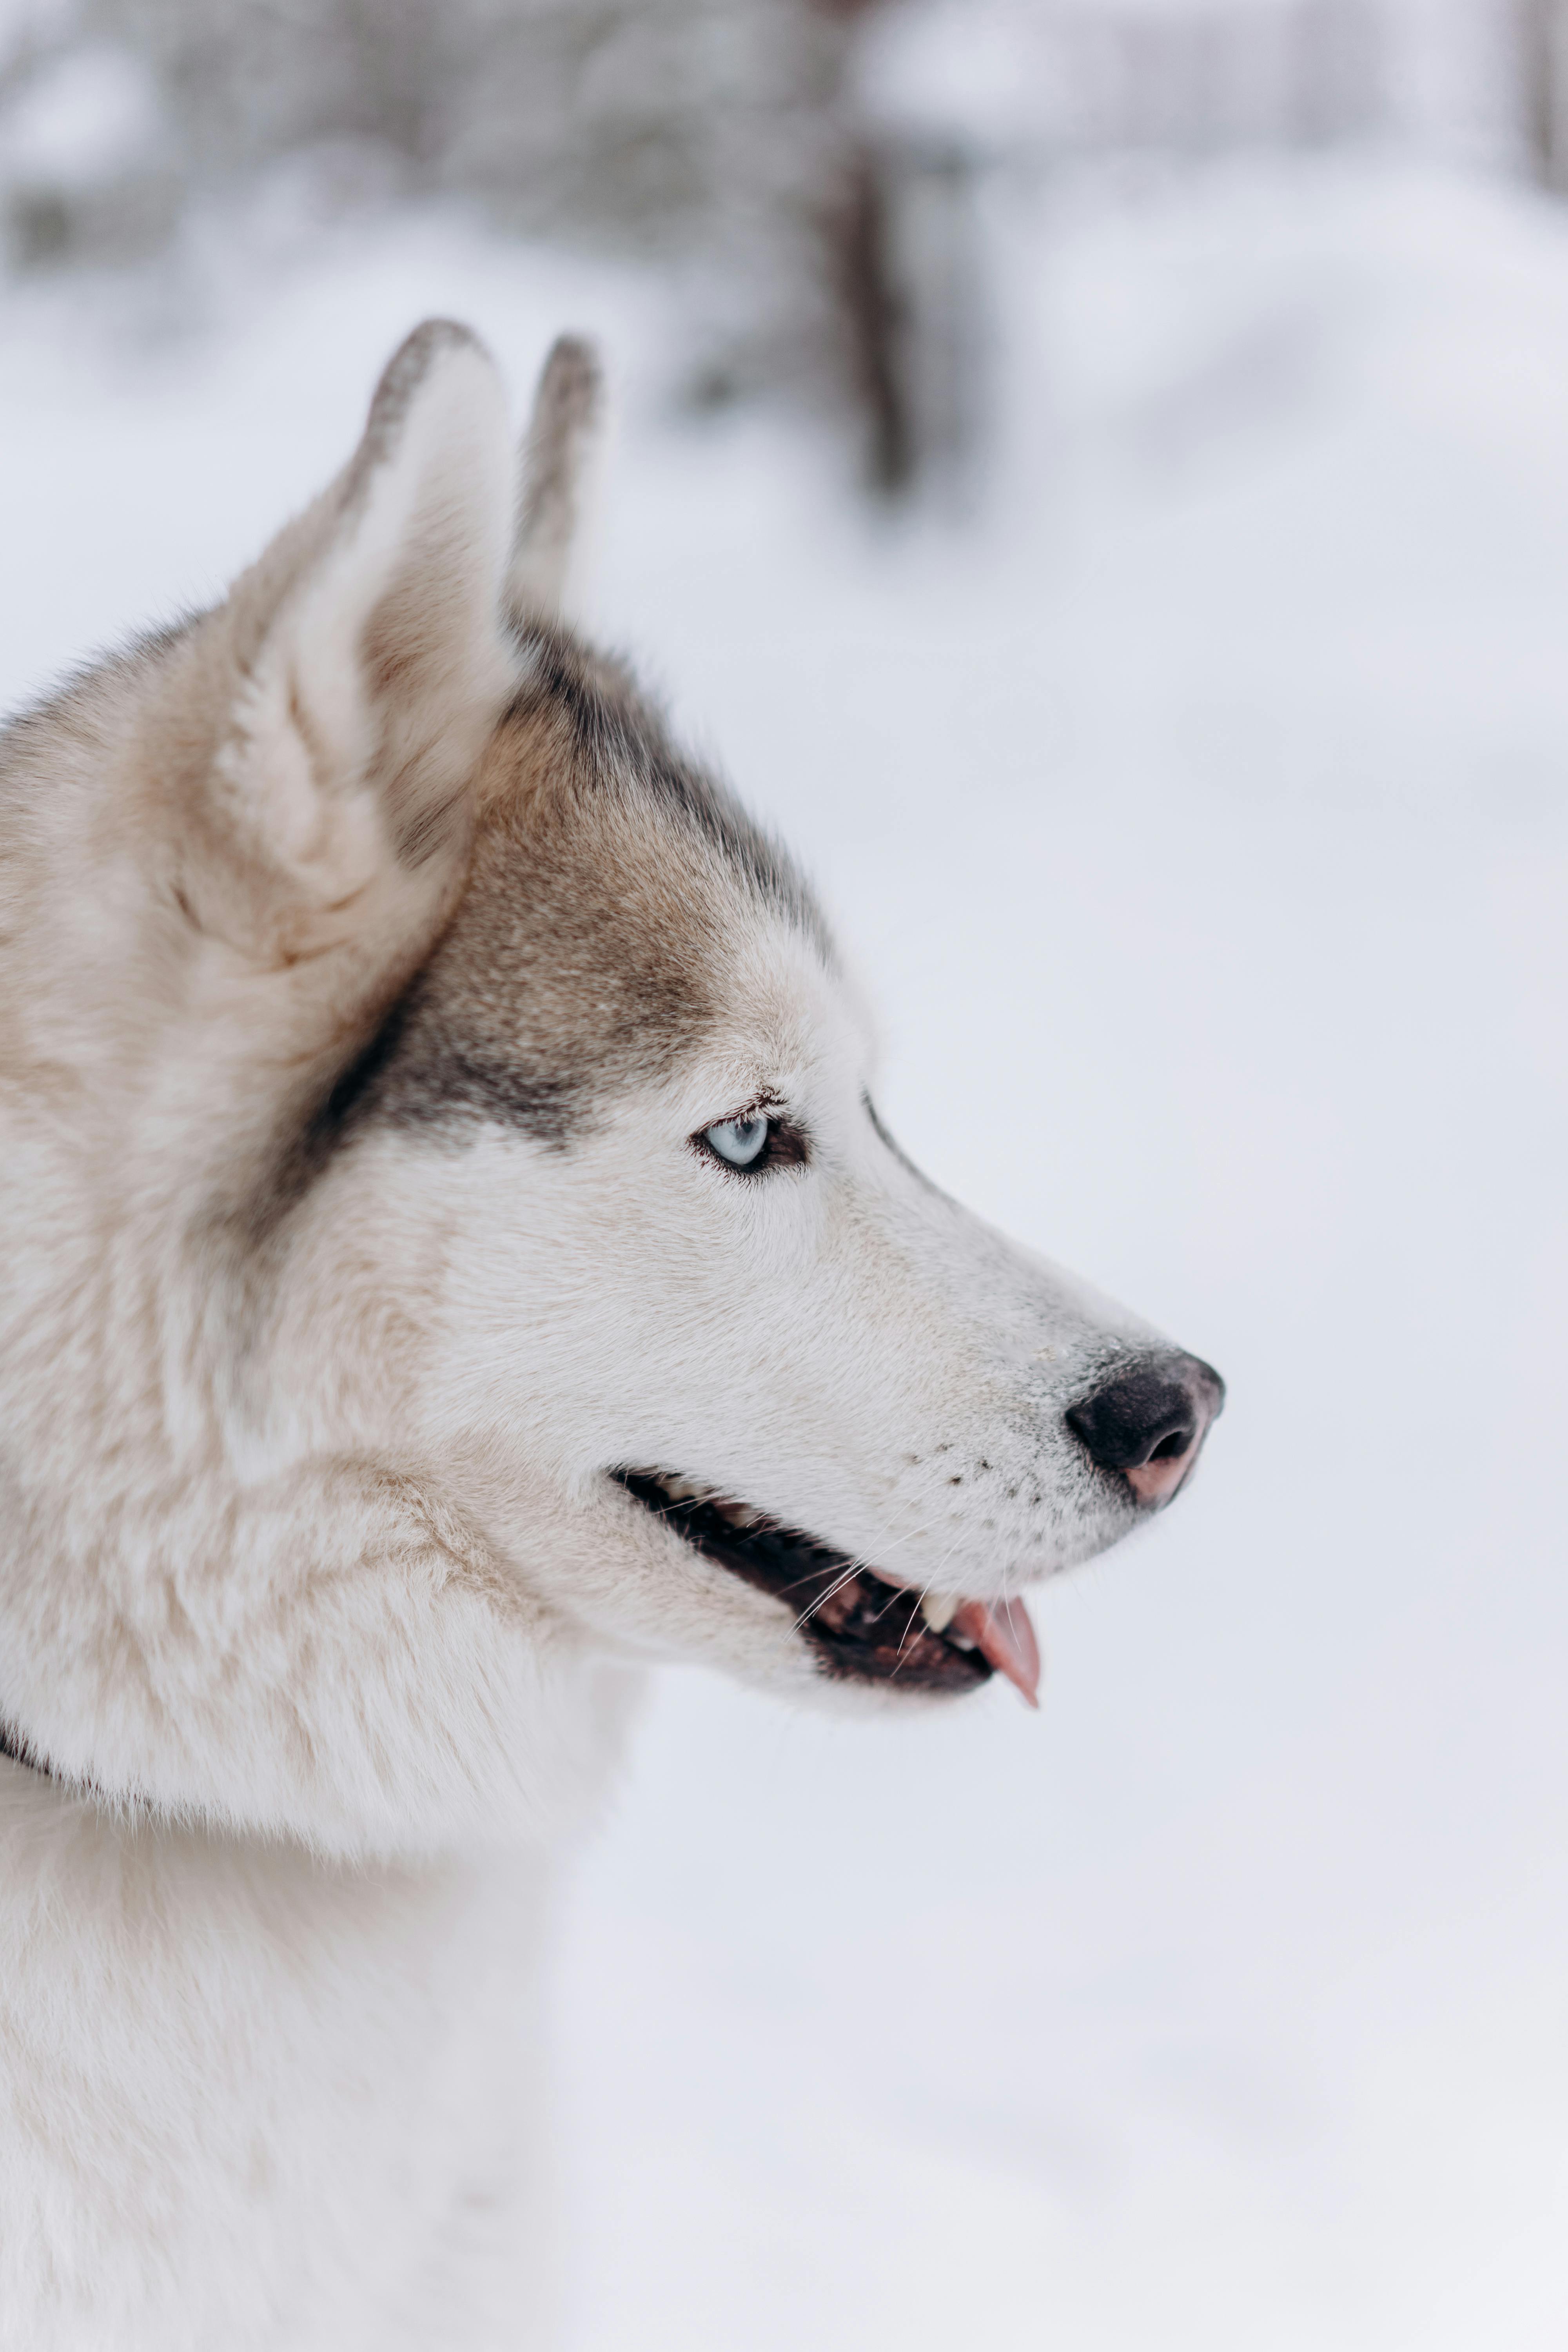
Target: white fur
<point x="314" y="1595"/>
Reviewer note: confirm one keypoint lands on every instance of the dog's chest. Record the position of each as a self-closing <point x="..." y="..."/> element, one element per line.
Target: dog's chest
<point x="259" y="2102"/>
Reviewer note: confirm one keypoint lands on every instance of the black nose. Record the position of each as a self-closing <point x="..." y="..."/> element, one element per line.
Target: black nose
<point x="1150" y="1421"/>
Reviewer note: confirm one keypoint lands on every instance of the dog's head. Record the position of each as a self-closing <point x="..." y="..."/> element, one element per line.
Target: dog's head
<point x="424" y="1078"/>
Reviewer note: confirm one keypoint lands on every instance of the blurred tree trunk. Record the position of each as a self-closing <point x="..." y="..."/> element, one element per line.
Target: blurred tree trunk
<point x="860" y="238"/>
<point x="1543" y="61"/>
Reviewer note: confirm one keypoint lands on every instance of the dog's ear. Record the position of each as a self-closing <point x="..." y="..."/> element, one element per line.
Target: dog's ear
<point x="365" y="664"/>
<point x="562" y="440"/>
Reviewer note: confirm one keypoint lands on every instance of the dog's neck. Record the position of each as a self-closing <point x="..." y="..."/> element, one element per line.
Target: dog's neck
<point x="10" y="1747"/>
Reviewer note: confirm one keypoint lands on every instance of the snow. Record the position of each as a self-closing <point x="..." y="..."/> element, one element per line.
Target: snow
<point x="1198" y="811"/>
<point x="82" y="121"/>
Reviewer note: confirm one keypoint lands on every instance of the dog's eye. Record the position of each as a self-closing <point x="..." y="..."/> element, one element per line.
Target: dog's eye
<point x="739" y="1142"/>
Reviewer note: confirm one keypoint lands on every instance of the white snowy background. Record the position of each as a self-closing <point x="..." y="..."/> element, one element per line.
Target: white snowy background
<point x="1197" y="809"/>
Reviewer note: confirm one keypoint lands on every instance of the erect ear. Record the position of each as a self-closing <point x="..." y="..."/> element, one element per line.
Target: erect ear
<point x="367" y="664"/>
<point x="562" y="441"/>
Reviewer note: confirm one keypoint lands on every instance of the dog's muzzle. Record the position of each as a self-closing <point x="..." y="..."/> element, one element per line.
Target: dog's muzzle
<point x="1149" y="1424"/>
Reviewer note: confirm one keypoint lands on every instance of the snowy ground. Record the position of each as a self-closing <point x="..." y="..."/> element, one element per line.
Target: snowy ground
<point x="1199" y="814"/>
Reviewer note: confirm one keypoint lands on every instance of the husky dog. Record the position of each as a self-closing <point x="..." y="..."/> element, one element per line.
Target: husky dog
<point x="452" y="1259"/>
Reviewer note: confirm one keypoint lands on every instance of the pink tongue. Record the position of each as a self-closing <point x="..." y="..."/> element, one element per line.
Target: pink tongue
<point x="1002" y="1632"/>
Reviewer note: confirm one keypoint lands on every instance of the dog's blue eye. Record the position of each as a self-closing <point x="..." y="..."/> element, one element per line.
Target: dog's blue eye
<point x="739" y="1142"/>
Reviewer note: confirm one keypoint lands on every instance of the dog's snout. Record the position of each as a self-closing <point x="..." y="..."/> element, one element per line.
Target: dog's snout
<point x="1149" y="1422"/>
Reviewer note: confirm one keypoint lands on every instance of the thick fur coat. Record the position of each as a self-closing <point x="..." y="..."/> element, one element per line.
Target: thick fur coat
<point x="452" y="1262"/>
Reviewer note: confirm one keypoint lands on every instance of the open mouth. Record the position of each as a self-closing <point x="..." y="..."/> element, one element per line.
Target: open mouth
<point x="861" y="1625"/>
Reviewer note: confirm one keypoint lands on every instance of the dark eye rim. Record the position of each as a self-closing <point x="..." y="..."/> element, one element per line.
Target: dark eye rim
<point x="785" y="1146"/>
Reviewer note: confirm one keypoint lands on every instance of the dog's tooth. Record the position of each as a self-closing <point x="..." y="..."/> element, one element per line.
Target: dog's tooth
<point x="939" y="1608"/>
<point x="737" y="1515"/>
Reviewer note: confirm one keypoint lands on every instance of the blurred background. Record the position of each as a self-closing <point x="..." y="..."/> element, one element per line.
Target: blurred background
<point x="1095" y="473"/>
